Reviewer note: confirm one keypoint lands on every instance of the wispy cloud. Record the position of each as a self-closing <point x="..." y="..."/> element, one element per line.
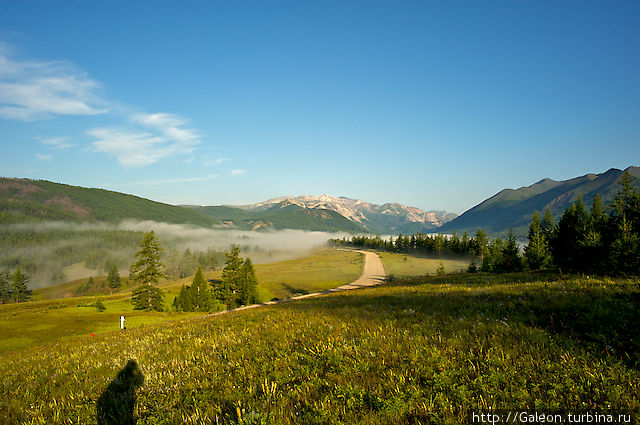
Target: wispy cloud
<point x="37" y="90"/>
<point x="44" y="157"/>
<point x="132" y="149"/>
<point x="171" y="126"/>
<point x="164" y="135"/>
<point x="57" y="143"/>
<point x="172" y="181"/>
<point x="215" y="162"/>
<point x="238" y="172"/>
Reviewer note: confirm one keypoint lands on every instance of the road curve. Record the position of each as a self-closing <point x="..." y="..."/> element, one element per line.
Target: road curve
<point x="373" y="274"/>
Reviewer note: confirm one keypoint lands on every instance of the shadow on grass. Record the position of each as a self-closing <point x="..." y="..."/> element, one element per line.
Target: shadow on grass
<point x="600" y="317"/>
<point x="293" y="291"/>
<point x="116" y="404"/>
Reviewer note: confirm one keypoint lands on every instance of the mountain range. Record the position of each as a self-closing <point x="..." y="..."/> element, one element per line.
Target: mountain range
<point x="25" y="200"/>
<point x="514" y="207"/>
<point x="373" y="218"/>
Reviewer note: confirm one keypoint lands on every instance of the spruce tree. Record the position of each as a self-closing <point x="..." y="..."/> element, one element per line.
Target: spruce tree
<point x="567" y="245"/>
<point x="19" y="290"/>
<point x="5" y="288"/>
<point x="248" y="283"/>
<point x="202" y="298"/>
<point x="147" y="271"/>
<point x="113" y="278"/>
<point x="594" y="242"/>
<point x="548" y="225"/>
<point x="147" y="297"/>
<point x="511" y="260"/>
<point x="480" y="242"/>
<point x="493" y="257"/>
<point x="231" y="276"/>
<point x="537" y="251"/>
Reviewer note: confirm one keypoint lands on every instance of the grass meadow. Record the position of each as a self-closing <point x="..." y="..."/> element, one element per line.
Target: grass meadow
<point x="51" y="318"/>
<point x="404" y="265"/>
<point x="416" y="351"/>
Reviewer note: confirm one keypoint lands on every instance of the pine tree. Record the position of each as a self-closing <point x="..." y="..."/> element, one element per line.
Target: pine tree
<point x="567" y="245"/>
<point x="594" y="242"/>
<point x="480" y="242"/>
<point x="202" y="298"/>
<point x="624" y="226"/>
<point x="548" y="225"/>
<point x="493" y="257"/>
<point x="231" y="276"/>
<point x="90" y="282"/>
<point x="511" y="260"/>
<point x="113" y="278"/>
<point x="148" y="270"/>
<point x="19" y="290"/>
<point x="5" y="288"/>
<point x="248" y="283"/>
<point x="147" y="297"/>
<point x="100" y="306"/>
<point x="537" y="250"/>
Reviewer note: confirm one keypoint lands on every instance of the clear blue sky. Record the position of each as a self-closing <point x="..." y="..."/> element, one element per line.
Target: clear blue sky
<point x="437" y="105"/>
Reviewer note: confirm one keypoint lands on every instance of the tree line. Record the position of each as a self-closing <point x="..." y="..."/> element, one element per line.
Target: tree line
<point x="605" y="239"/>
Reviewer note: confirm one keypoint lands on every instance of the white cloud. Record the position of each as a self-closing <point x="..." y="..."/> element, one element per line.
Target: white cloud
<point x="215" y="162"/>
<point x="57" y="143"/>
<point x="238" y="172"/>
<point x="36" y="90"/>
<point x="170" y="125"/>
<point x="132" y="149"/>
<point x="163" y="136"/>
<point x="43" y="157"/>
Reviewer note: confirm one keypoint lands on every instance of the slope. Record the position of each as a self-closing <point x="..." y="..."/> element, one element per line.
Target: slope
<point x="514" y="207"/>
<point x="24" y="200"/>
<point x="283" y="215"/>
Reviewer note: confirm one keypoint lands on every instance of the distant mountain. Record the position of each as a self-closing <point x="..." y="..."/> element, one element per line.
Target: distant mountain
<point x="24" y="200"/>
<point x="390" y="218"/>
<point x="281" y="215"/>
<point x="514" y="207"/>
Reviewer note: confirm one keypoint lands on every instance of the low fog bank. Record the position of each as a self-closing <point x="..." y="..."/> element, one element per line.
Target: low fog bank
<point x="47" y="250"/>
<point x="296" y="242"/>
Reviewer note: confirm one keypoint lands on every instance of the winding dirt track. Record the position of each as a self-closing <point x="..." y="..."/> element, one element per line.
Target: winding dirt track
<point x="372" y="275"/>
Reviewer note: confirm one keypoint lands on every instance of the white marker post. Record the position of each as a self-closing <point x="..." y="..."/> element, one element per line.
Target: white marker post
<point x="122" y="322"/>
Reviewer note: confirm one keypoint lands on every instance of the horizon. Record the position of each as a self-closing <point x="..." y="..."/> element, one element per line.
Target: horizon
<point x="430" y="105"/>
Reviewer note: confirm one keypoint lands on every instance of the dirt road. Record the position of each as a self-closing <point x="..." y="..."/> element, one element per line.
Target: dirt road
<point x="373" y="274"/>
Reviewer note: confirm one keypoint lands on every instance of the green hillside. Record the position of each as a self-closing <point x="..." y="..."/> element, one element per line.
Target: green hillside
<point x="514" y="207"/>
<point x="282" y="216"/>
<point x="23" y="200"/>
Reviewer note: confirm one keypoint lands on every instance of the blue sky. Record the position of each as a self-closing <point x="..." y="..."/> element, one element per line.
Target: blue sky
<point x="437" y="105"/>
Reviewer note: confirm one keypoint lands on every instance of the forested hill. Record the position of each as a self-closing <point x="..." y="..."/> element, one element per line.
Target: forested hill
<point x="514" y="207"/>
<point x="24" y="200"/>
<point x="283" y="216"/>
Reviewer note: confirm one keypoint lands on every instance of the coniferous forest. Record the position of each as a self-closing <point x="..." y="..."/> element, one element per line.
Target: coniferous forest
<point x="604" y="239"/>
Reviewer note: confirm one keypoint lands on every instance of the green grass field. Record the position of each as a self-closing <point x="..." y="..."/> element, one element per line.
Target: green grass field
<point x="50" y="319"/>
<point x="425" y="350"/>
<point x="322" y="269"/>
<point x="404" y="265"/>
